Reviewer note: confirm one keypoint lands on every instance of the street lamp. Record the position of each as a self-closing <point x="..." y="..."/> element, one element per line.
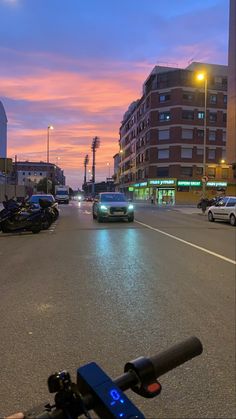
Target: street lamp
<point x="203" y="77"/>
<point x="50" y="127"/>
<point x="108" y="164"/>
<point x="121" y="171"/>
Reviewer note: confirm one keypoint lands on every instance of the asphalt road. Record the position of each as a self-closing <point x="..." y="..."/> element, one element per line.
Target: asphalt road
<point x="111" y="292"/>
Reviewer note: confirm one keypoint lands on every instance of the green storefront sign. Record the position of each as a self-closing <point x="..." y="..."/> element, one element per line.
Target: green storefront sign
<point x="217" y="184"/>
<point x="189" y="183"/>
<point x="131" y="188"/>
<point x="162" y="182"/>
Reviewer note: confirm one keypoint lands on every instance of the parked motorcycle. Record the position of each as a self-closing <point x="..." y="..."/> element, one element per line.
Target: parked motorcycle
<point x="15" y="218"/>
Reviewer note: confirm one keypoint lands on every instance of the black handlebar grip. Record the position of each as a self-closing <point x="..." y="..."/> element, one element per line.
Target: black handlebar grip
<point x="176" y="355"/>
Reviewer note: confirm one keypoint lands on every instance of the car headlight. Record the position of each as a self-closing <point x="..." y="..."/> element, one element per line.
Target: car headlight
<point x="103" y="208"/>
<point x="130" y="207"/>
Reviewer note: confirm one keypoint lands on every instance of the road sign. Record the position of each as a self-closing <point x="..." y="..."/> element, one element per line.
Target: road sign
<point x="205" y="179"/>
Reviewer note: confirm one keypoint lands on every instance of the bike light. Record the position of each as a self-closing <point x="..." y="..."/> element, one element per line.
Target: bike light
<point x="103" y="207"/>
<point x="130" y="207"/>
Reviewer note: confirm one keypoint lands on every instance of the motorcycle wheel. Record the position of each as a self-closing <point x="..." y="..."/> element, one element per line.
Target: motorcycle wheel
<point x="36" y="229"/>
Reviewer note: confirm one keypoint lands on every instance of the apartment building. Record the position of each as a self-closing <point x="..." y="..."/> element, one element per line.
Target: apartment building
<point x="162" y="136"/>
<point x="30" y="173"/>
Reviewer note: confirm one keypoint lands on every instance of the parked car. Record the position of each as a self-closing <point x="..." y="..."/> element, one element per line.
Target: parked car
<point x="34" y="199"/>
<point x="224" y="209"/>
<point x="112" y="205"/>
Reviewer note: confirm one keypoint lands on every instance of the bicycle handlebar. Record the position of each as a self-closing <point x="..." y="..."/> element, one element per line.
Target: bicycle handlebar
<point x="139" y="375"/>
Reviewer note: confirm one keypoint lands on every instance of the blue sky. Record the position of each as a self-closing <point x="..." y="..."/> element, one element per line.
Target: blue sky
<point x="78" y="64"/>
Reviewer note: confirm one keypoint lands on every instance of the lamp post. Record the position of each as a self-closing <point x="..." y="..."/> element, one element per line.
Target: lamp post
<point x="50" y="127"/>
<point x="121" y="174"/>
<point x="108" y="165"/>
<point x="203" y="77"/>
<point x="95" y="145"/>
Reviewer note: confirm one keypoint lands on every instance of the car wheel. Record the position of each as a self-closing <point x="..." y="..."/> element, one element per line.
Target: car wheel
<point x="36" y="229"/>
<point x="94" y="216"/>
<point x="210" y="216"/>
<point x="131" y="218"/>
<point x="232" y="220"/>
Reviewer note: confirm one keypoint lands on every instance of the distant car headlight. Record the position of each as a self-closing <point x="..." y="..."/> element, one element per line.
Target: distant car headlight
<point x="130" y="207"/>
<point x="79" y="198"/>
<point x="103" y="208"/>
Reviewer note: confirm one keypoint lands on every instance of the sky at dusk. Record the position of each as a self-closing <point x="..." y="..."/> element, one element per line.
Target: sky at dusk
<point x="78" y="64"/>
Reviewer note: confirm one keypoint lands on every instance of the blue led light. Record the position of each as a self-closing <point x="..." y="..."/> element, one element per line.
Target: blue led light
<point x="122" y="401"/>
<point x="112" y="403"/>
<point x="114" y="394"/>
<point x="121" y="415"/>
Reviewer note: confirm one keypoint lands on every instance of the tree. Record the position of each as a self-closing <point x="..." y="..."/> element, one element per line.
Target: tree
<point x="42" y="185"/>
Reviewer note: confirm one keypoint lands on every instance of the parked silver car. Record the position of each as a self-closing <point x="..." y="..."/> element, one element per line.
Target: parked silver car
<point x="112" y="205"/>
<point x="224" y="209"/>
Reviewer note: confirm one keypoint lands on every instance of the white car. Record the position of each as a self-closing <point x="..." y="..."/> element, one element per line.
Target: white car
<point x="224" y="209"/>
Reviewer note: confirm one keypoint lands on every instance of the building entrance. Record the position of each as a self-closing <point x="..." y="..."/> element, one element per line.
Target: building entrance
<point x="166" y="196"/>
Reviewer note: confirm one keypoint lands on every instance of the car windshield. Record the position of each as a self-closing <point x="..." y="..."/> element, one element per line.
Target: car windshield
<point x="62" y="192"/>
<point x="35" y="198"/>
<point x="116" y="197"/>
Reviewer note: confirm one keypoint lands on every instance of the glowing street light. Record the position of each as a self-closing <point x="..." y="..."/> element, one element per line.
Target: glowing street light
<point x="203" y="77"/>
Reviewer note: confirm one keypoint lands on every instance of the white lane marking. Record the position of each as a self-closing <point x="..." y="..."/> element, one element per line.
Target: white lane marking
<point x="190" y="244"/>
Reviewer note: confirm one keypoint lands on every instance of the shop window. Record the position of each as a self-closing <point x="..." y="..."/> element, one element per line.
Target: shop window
<point x="212" y="135"/>
<point x="183" y="188"/>
<point x="186" y="153"/>
<point x="186" y="171"/>
<point x="164" y="116"/>
<point x="211" y="154"/>
<point x="164" y="153"/>
<point x="187" y="134"/>
<point x="187" y="115"/>
<point x="162" y="171"/>
<point x="164" y="134"/>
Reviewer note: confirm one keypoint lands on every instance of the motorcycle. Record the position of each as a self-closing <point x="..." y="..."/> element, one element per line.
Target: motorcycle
<point x="15" y="218"/>
<point x="96" y="391"/>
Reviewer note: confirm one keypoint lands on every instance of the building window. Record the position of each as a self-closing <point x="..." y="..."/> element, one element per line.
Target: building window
<point x="212" y="116"/>
<point x="200" y="115"/>
<point x="225" y="173"/>
<point x="23" y="173"/>
<point x="188" y="115"/>
<point x="212" y="135"/>
<point x="200" y="151"/>
<point x="225" y="99"/>
<point x="186" y="171"/>
<point x="41" y="174"/>
<point x="211" y="154"/>
<point x="187" y="134"/>
<point x="211" y="171"/>
<point x="213" y="99"/>
<point x="224" y="136"/>
<point x="29" y="173"/>
<point x="200" y="133"/>
<point x="164" y="134"/>
<point x="199" y="170"/>
<point x="224" y="117"/>
<point x="164" y="116"/>
<point x="162" y="171"/>
<point x="163" y="154"/>
<point x="188" y="96"/>
<point x="164" y="97"/>
<point x="186" y="153"/>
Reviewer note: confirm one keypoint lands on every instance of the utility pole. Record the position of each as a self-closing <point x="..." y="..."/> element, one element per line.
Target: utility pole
<point x="95" y="145"/>
<point x="16" y="174"/>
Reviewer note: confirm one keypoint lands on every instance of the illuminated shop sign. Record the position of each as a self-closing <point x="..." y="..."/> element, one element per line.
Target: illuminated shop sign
<point x="189" y="183"/>
<point x="162" y="182"/>
<point x="139" y="185"/>
<point x="131" y="188"/>
<point x="217" y="184"/>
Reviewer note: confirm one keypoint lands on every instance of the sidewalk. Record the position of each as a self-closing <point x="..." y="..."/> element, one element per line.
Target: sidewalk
<point x="185" y="209"/>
